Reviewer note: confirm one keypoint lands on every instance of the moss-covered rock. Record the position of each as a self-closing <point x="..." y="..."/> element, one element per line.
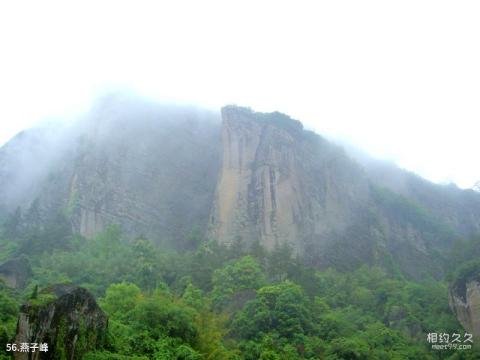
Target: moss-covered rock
<point x="16" y="272"/>
<point x="464" y="296"/>
<point x="67" y="318"/>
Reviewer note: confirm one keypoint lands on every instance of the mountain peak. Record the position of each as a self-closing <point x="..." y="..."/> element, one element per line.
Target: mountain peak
<point x="161" y="171"/>
<point x="278" y="119"/>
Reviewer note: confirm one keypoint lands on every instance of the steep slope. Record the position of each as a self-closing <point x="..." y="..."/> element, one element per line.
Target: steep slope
<point x="147" y="167"/>
<point x="457" y="208"/>
<point x="151" y="170"/>
<point x="29" y="162"/>
<point x="280" y="183"/>
<point x="464" y="291"/>
<point x="162" y="171"/>
<point x="66" y="318"/>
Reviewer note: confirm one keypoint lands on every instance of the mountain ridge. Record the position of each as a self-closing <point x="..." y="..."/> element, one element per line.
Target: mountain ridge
<point x="161" y="171"/>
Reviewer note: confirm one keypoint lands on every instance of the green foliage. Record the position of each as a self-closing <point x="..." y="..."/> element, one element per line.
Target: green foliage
<point x="161" y="325"/>
<point x="168" y="348"/>
<point x="73" y="203"/>
<point x="145" y="265"/>
<point x="30" y="233"/>
<point x="105" y="355"/>
<point x="409" y="212"/>
<point x="160" y="316"/>
<point x="244" y="273"/>
<point x="42" y="299"/>
<point x="193" y="296"/>
<point x="280" y="308"/>
<point x="168" y="305"/>
<point x="204" y="261"/>
<point x="120" y="299"/>
<point x="13" y="225"/>
<point x="468" y="270"/>
<point x="280" y="264"/>
<point x="9" y="305"/>
<point x="463" y="258"/>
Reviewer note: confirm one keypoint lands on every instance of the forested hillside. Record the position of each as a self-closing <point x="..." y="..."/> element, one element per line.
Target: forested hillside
<point x="236" y="302"/>
<point x="166" y="232"/>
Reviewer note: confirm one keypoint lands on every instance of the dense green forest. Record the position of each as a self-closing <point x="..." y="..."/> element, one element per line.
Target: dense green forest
<point x="237" y="302"/>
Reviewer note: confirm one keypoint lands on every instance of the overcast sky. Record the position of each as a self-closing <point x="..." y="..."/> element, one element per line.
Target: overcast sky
<point x="399" y="79"/>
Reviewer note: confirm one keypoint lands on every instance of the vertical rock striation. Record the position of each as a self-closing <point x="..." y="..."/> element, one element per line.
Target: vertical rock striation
<point x="162" y="171"/>
<point x="66" y="318"/>
<point x="280" y="183"/>
<point x="464" y="299"/>
<point x="16" y="272"/>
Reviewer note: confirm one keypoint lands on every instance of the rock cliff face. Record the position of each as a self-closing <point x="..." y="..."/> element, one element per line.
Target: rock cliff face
<point x="281" y="184"/>
<point x="162" y="171"/>
<point x="36" y="163"/>
<point x="456" y="208"/>
<point x="464" y="299"/>
<point x="66" y="318"/>
<point x="16" y="272"/>
<point x="277" y="185"/>
<point x="149" y="168"/>
<point x="153" y="171"/>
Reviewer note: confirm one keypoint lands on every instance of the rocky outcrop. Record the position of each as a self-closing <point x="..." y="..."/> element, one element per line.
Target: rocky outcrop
<point x="161" y="171"/>
<point x="464" y="299"/>
<point x="453" y="206"/>
<point x="154" y="177"/>
<point x="147" y="167"/>
<point x="66" y="318"/>
<point x="259" y="193"/>
<point x="16" y="272"/>
<point x="280" y="184"/>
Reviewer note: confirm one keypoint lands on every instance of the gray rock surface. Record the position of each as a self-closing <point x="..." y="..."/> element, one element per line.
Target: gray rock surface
<point x="464" y="299"/>
<point x="161" y="171"/>
<point x="280" y="184"/>
<point x="16" y="272"/>
<point x="66" y="318"/>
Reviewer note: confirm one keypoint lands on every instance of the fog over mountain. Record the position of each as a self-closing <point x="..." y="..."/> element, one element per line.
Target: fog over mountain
<point x="404" y="93"/>
<point x="163" y="171"/>
<point x="218" y="180"/>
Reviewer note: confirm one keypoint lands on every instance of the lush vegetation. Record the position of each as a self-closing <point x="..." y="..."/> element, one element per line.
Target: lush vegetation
<point x="235" y="302"/>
